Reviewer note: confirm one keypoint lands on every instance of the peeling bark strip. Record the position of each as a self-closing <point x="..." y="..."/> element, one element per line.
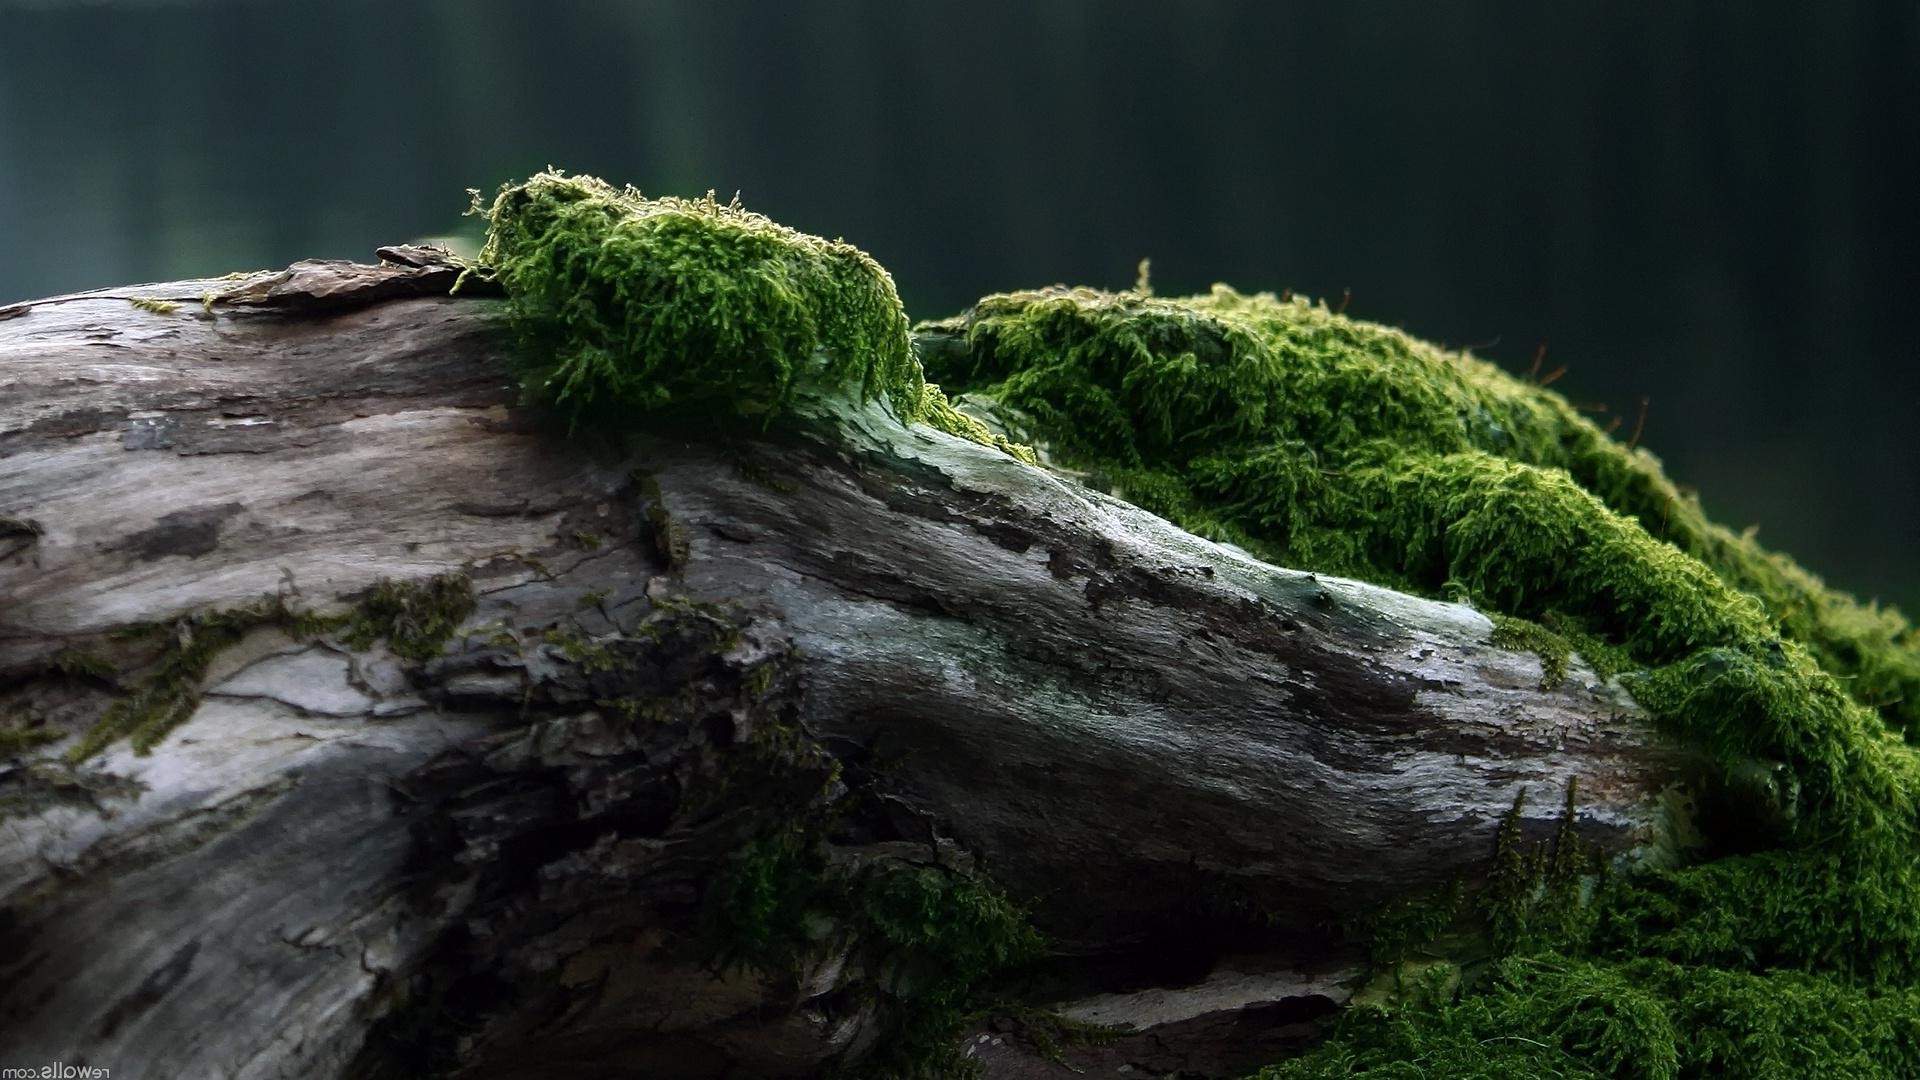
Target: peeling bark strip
<point x="1192" y="765"/>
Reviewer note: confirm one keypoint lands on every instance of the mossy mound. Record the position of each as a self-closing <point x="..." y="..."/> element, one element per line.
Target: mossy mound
<point x="637" y="303"/>
<point x="1278" y="422"/>
<point x="1328" y="444"/>
<point x="694" y="308"/>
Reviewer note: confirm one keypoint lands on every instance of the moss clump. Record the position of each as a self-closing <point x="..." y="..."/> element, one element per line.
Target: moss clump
<point x="1553" y="650"/>
<point x="1337" y="446"/>
<point x="581" y="650"/>
<point x="414" y="617"/>
<point x="929" y="940"/>
<point x="696" y="309"/>
<point x="170" y="692"/>
<point x="154" y="305"/>
<point x="630" y="303"/>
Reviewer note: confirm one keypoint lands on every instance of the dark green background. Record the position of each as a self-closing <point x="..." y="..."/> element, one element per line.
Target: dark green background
<point x="1711" y="205"/>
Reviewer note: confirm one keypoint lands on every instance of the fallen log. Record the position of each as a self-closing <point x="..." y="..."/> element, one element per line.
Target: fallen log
<point x="433" y="740"/>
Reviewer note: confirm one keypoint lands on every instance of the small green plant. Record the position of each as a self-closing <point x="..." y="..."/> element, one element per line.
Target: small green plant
<point x="930" y="940"/>
<point x="415" y="618"/>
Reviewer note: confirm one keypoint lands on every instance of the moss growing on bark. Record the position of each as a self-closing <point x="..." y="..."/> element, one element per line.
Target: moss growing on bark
<point x="415" y="618"/>
<point x="1332" y="445"/>
<point x="928" y="939"/>
<point x="695" y="308"/>
<point x="170" y="691"/>
<point x="631" y="303"/>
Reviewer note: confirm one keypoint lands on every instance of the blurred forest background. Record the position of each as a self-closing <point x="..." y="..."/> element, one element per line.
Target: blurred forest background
<point x="1712" y="205"/>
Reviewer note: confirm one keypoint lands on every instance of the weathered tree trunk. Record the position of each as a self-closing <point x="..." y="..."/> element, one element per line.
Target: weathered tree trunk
<point x="358" y="858"/>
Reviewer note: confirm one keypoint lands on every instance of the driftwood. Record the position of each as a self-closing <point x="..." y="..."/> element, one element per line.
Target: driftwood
<point x="352" y="862"/>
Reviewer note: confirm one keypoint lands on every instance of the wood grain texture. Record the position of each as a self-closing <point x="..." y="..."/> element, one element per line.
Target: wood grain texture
<point x="347" y="863"/>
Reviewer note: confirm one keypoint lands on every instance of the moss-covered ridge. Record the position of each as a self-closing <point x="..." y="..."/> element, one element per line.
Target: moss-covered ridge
<point x="632" y="305"/>
<point x="1329" y="444"/>
<point x="1246" y="414"/>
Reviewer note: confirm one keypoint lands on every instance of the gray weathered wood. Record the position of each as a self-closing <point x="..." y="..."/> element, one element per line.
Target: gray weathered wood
<point x="345" y="856"/>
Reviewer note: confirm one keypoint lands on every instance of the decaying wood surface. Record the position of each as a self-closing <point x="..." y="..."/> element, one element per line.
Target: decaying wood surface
<point x="349" y="863"/>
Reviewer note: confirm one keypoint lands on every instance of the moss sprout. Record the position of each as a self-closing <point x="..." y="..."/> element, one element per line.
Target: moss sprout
<point x="154" y="305"/>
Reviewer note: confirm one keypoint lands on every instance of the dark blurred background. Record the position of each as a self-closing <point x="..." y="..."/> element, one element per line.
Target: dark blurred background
<point x="1715" y="206"/>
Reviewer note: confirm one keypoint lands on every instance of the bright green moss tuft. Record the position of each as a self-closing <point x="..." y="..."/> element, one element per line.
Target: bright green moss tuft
<point x="696" y="309"/>
<point x="1554" y="650"/>
<point x="630" y="303"/>
<point x="415" y="618"/>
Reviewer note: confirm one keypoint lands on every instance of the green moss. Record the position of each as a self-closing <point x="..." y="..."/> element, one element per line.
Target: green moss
<point x="80" y="663"/>
<point x="155" y="305"/>
<point x="588" y="654"/>
<point x="1553" y="649"/>
<point x="17" y="737"/>
<point x="929" y="941"/>
<point x="695" y="309"/>
<point x="1282" y="419"/>
<point x="1051" y="1033"/>
<point x="636" y="304"/>
<point x="1551" y="1015"/>
<point x="170" y="691"/>
<point x="669" y="536"/>
<point x="587" y="539"/>
<point x="415" y="618"/>
<point x="1535" y="899"/>
<point x="1333" y="445"/>
<point x="1395" y="931"/>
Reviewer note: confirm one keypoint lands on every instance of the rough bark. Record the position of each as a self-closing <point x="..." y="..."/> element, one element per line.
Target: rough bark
<point x="1196" y="768"/>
